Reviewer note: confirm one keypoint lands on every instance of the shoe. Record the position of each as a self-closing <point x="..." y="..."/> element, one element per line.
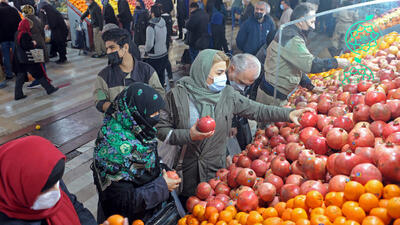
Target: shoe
<point x="3" y="84"/>
<point x="60" y="61"/>
<point x="53" y="56"/>
<point x="34" y="84"/>
<point x="96" y="56"/>
<point x="19" y="98"/>
<point x="52" y="91"/>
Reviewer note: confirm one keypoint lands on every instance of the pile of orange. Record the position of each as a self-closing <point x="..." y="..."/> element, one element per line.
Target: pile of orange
<point x="119" y="220"/>
<point x="372" y="204"/>
<point x="82" y="7"/>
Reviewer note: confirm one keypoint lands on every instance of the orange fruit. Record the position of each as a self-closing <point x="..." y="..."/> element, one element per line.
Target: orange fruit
<point x="332" y="212"/>
<point x="116" y="220"/>
<point x="192" y="221"/>
<point x="347" y="206"/>
<point x="239" y="214"/>
<point x="372" y="220"/>
<point x="232" y="209"/>
<point x="320" y="219"/>
<point x="356" y="214"/>
<point x="317" y="211"/>
<point x="204" y="223"/>
<point x="269" y="212"/>
<point x="280" y="207"/>
<point x="288" y="222"/>
<point x="182" y="221"/>
<point x="138" y="222"/>
<point x="393" y="207"/>
<point x="353" y="190"/>
<point x="209" y="211"/>
<point x="213" y="218"/>
<point x="234" y="222"/>
<point x="221" y="223"/>
<point x="368" y="201"/>
<point x="199" y="211"/>
<point x="351" y="222"/>
<point x="225" y="216"/>
<point x="374" y="187"/>
<point x="383" y="203"/>
<point x="298" y="213"/>
<point x="339" y="220"/>
<point x="300" y="202"/>
<point x="302" y="221"/>
<point x="243" y="219"/>
<point x="271" y="221"/>
<point x="390" y="191"/>
<point x="287" y="214"/>
<point x="396" y="222"/>
<point x="334" y="198"/>
<point x="254" y="217"/>
<point x="314" y="199"/>
<point x="290" y="203"/>
<point x="382" y="214"/>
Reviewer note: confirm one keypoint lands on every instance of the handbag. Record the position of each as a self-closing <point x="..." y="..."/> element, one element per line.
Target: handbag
<point x="29" y="57"/>
<point x="169" y="214"/>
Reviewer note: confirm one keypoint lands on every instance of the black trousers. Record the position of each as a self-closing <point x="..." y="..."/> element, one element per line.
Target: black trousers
<point x="37" y="71"/>
<point x="160" y="65"/>
<point x="181" y="24"/>
<point x="59" y="47"/>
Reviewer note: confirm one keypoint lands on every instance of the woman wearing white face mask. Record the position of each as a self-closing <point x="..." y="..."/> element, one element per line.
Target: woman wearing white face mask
<point x="204" y="93"/>
<point x="31" y="189"/>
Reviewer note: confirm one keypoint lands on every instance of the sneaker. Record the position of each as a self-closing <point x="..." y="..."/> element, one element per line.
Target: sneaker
<point x="34" y="84"/>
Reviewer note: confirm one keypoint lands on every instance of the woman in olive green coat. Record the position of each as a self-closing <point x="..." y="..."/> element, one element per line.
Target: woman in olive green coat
<point x="204" y="93"/>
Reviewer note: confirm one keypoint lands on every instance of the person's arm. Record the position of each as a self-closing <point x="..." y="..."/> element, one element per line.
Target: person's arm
<point x="85" y="217"/>
<point x="26" y="42"/>
<point x="154" y="82"/>
<point x="306" y="82"/>
<point x="85" y="14"/>
<point x="241" y="37"/>
<point x="101" y="95"/>
<point x="150" y="195"/>
<point x="149" y="39"/>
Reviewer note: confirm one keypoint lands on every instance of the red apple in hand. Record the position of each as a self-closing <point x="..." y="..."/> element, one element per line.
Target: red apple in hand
<point x="206" y="124"/>
<point x="172" y="174"/>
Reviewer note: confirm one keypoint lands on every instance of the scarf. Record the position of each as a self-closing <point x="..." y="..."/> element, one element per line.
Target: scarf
<point x="203" y="98"/>
<point x="127" y="147"/>
<point x="25" y="167"/>
<point x="23" y="27"/>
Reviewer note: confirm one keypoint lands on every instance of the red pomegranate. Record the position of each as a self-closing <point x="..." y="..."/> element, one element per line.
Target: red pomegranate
<point x="315" y="168"/>
<point x="346" y="161"/>
<point x="372" y="97"/>
<point x="276" y="140"/>
<point x="266" y="191"/>
<point x="279" y="149"/>
<point x="356" y="99"/>
<point x="275" y="180"/>
<point x="394" y="138"/>
<point x="271" y="131"/>
<point x="233" y="173"/>
<point x="337" y="111"/>
<point x="172" y="174"/>
<point x="280" y="166"/>
<point x="247" y="201"/>
<point x="307" y="132"/>
<point x="203" y="190"/>
<point x="295" y="179"/>
<point x="206" y="124"/>
<point x="343" y="122"/>
<point x="222" y="188"/>
<point x="380" y="111"/>
<point x="394" y="106"/>
<point x="259" y="167"/>
<point x="389" y="162"/>
<point x="246" y="177"/>
<point x="308" y="119"/>
<point x="305" y="155"/>
<point x="336" y="138"/>
<point x="324" y="121"/>
<point x="361" y="137"/>
<point x="352" y="88"/>
<point x="366" y="152"/>
<point x="317" y="144"/>
<point x="330" y="164"/>
<point x="324" y="105"/>
<point x="214" y="182"/>
<point x="285" y="131"/>
<point x="254" y="152"/>
<point x="191" y="202"/>
<point x="390" y="128"/>
<point x="364" y="86"/>
<point x="293" y="137"/>
<point x="343" y="97"/>
<point x="361" y="113"/>
<point x="376" y="128"/>
<point x="327" y="129"/>
<point x="244" y="161"/>
<point x="217" y="204"/>
<point x="311" y="185"/>
<point x="289" y="191"/>
<point x="313" y="105"/>
<point x="223" y="198"/>
<point x="292" y="151"/>
<point x="222" y="174"/>
<point x="262" y="139"/>
<point x="337" y="183"/>
<point x="364" y="172"/>
<point x="296" y="168"/>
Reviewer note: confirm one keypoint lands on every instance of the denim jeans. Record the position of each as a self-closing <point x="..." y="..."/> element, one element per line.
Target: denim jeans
<point x="5" y="51"/>
<point x="234" y="11"/>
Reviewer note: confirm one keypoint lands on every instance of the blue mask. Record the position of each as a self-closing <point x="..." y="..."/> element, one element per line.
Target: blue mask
<point x="282" y="7"/>
<point x="219" y="83"/>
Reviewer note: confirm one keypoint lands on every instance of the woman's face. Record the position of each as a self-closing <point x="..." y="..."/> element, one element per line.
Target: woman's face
<point x="218" y="69"/>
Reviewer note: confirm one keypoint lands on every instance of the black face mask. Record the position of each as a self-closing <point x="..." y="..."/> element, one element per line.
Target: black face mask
<point x="153" y="120"/>
<point x="258" y="15"/>
<point x="114" y="59"/>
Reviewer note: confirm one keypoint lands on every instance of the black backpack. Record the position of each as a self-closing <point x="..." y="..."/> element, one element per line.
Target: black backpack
<point x="140" y="26"/>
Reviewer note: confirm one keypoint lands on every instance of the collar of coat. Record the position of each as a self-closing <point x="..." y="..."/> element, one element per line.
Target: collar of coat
<point x="288" y="33"/>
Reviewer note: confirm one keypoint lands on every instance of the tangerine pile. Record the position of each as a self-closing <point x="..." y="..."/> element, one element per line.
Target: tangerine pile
<point x="372" y="204"/>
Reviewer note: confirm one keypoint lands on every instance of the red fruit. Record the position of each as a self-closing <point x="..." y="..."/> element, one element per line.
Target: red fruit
<point x="327" y="129"/>
<point x="222" y="188"/>
<point x="259" y="167"/>
<point x="279" y="149"/>
<point x="292" y="151"/>
<point x="247" y="201"/>
<point x="389" y="161"/>
<point x="295" y="179"/>
<point x="330" y="164"/>
<point x="361" y="113"/>
<point x="203" y="190"/>
<point x="262" y="138"/>
<point x="244" y="161"/>
<point x="337" y="111"/>
<point x="390" y="128"/>
<point x="361" y="137"/>
<point x="172" y="175"/>
<point x="352" y="88"/>
<point x="293" y="138"/>
<point x="394" y="138"/>
<point x="313" y="185"/>
<point x="271" y="131"/>
<point x="254" y="152"/>
<point x="343" y="97"/>
<point x="214" y="182"/>
<point x="346" y="161"/>
<point x="296" y="168"/>
<point x="222" y="174"/>
<point x="380" y="111"/>
<point x="305" y="155"/>
<point x="343" y="122"/>
<point x="191" y="202"/>
<point x="280" y="124"/>
<point x="308" y="119"/>
<point x="394" y="93"/>
<point x="367" y="153"/>
<point x="356" y="99"/>
<point x="289" y="191"/>
<point x="376" y="128"/>
<point x="324" y="105"/>
<point x="217" y="204"/>
<point x="285" y="131"/>
<point x="233" y="173"/>
<point x="394" y="106"/>
<point x="246" y="177"/>
<point x="323" y="121"/>
<point x="307" y="132"/>
<point x="315" y="168"/>
<point x="280" y="166"/>
<point x="266" y="191"/>
<point x="223" y="198"/>
<point x="364" y="86"/>
<point x="206" y="124"/>
<point x="364" y="172"/>
<point x="372" y="97"/>
<point x="337" y="183"/>
<point x="313" y="105"/>
<point x="336" y="138"/>
<point x="276" y="140"/>
<point x="317" y="144"/>
<point x="275" y="180"/>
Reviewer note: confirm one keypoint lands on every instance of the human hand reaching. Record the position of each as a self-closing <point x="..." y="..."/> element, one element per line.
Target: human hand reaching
<point x="296" y="114"/>
<point x="171" y="183"/>
<point x="196" y="135"/>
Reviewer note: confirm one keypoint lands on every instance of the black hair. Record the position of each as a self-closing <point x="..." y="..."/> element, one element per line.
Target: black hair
<point x="156" y="10"/>
<point x="300" y="11"/>
<point x="55" y="175"/>
<point x="194" y="5"/>
<point x="117" y="35"/>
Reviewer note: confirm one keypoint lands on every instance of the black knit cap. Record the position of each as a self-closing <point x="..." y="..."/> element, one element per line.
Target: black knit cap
<point x="55" y="175"/>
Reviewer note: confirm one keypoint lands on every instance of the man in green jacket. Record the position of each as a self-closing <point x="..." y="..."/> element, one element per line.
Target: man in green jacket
<point x="295" y="60"/>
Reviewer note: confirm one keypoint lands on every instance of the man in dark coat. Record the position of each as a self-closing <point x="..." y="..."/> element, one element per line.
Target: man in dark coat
<point x="182" y="15"/>
<point x="97" y="23"/>
<point x="247" y="12"/>
<point x="124" y="15"/>
<point x="197" y="26"/>
<point x="10" y="19"/>
<point x="108" y="13"/>
<point x="166" y="5"/>
<point x="59" y="31"/>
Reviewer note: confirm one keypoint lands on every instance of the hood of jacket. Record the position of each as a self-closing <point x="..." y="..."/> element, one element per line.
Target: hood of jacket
<point x="158" y="21"/>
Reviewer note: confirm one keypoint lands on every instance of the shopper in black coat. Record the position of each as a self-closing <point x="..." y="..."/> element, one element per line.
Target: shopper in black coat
<point x="124" y="15"/>
<point x="197" y="26"/>
<point x="166" y="5"/>
<point x="181" y="15"/>
<point x="108" y="13"/>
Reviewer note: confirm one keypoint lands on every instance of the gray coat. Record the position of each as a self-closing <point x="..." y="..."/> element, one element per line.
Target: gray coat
<point x="204" y="158"/>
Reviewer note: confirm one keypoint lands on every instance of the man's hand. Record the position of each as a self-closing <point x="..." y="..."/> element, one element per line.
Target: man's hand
<point x="343" y="63"/>
<point x="228" y="161"/>
<point x="196" y="135"/>
<point x="125" y="222"/>
<point x="34" y="43"/>
<point x="233" y="132"/>
<point x="318" y="90"/>
<point x="296" y="114"/>
<point x="46" y="27"/>
<point x="171" y="183"/>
